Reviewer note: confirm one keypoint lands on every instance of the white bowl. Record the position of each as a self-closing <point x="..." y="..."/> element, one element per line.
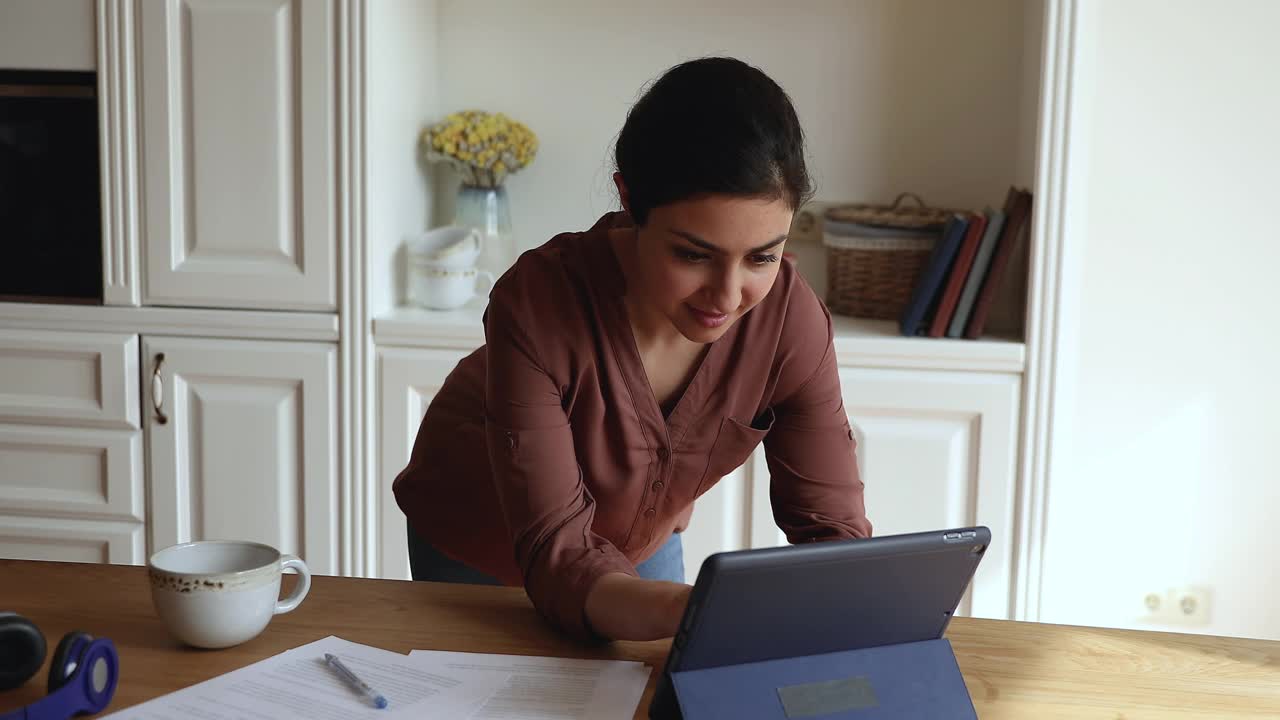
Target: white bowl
<point x="453" y="247"/>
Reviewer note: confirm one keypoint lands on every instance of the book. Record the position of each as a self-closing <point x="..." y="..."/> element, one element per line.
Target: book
<point x="978" y="271"/>
<point x="924" y="295"/>
<point x="1016" y="228"/>
<point x="959" y="271"/>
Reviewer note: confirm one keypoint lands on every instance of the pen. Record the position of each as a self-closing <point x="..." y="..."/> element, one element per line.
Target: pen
<point x="374" y="696"/>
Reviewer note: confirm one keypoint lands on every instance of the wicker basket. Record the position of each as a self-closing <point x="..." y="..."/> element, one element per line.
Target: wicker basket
<point x="875" y="254"/>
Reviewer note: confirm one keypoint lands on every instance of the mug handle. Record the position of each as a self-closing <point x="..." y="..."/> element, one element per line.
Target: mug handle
<point x="293" y="562"/>
<point x="488" y="278"/>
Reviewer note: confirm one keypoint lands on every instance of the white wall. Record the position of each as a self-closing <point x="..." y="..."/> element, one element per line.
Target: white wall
<point x="403" y="88"/>
<point x="48" y="35"/>
<point x="926" y="95"/>
<point x="1170" y="475"/>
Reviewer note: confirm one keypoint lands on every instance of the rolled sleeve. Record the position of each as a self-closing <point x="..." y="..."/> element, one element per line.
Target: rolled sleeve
<point x="546" y="505"/>
<point x="815" y="487"/>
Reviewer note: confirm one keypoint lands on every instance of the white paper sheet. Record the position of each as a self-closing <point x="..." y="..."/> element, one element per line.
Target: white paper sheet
<point x="298" y="684"/>
<point x="545" y="688"/>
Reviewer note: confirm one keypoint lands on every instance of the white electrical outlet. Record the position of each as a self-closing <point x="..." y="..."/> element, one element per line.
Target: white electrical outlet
<point x="1188" y="605"/>
<point x="807" y="224"/>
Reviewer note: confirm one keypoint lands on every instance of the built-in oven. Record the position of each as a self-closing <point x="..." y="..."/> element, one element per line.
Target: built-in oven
<point x="50" y="187"/>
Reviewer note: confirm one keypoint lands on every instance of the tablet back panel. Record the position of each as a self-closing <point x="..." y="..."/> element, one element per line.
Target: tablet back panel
<point x="826" y="597"/>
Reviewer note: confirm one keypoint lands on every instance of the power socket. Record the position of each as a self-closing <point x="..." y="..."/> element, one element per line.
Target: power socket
<point x="806" y="226"/>
<point x="1188" y="605"/>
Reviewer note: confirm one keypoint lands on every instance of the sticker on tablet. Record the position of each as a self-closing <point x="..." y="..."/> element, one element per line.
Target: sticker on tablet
<point x="827" y="697"/>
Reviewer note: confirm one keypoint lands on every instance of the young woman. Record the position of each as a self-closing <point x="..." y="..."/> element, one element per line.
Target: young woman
<point x="629" y="367"/>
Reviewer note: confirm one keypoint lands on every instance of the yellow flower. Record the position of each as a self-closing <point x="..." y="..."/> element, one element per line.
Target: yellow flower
<point x="484" y="146"/>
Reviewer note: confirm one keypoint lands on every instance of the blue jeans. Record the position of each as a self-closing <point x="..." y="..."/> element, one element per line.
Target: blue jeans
<point x="428" y="563"/>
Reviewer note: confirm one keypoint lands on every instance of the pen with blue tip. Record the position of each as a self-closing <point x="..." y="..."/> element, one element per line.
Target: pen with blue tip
<point x="374" y="696"/>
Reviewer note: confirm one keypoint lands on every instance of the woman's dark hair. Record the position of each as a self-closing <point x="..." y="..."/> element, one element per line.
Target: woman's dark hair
<point x="712" y="126"/>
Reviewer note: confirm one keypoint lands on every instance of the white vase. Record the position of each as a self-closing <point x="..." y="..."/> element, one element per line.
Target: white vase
<point x="488" y="210"/>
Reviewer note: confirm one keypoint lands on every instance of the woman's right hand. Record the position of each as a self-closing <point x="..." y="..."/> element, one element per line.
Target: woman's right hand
<point x="622" y="607"/>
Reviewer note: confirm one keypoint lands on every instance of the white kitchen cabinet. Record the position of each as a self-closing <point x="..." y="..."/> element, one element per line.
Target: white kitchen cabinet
<point x="78" y="473"/>
<point x="85" y="379"/>
<point x="407" y="381"/>
<point x="239" y="153"/>
<point x="940" y="449"/>
<point x="71" y="470"/>
<point x="935" y="450"/>
<point x="71" y="494"/>
<point x="936" y="423"/>
<point x="722" y="516"/>
<point x="242" y="442"/>
<point x="70" y="540"/>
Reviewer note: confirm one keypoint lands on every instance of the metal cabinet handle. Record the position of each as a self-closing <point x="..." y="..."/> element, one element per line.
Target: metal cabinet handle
<point x="157" y="390"/>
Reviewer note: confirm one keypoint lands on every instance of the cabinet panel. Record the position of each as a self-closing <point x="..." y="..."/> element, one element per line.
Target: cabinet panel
<point x="23" y="538"/>
<point x="721" y="518"/>
<point x="248" y="445"/>
<point x="239" y="148"/>
<point x="407" y="381"/>
<point x="935" y="449"/>
<point x="68" y="471"/>
<point x="69" y="377"/>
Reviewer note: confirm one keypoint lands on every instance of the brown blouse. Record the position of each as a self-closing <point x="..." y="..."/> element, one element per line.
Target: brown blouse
<point x="546" y="461"/>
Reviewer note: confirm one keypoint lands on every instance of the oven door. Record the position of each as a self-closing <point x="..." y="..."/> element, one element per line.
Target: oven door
<point x="50" y="197"/>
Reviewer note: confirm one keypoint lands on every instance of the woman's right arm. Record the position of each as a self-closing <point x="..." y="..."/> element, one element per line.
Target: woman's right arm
<point x="547" y="507"/>
<point x="624" y="607"/>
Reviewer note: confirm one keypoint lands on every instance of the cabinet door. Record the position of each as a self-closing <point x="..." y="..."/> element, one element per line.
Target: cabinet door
<point x="936" y="450"/>
<point x="407" y="380"/>
<point x="238" y="144"/>
<point x="242" y="441"/>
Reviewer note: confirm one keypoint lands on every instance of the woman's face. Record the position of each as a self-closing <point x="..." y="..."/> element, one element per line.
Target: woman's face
<point x="703" y="263"/>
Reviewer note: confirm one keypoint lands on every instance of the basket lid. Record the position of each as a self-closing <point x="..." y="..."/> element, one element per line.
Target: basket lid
<point x="897" y="215"/>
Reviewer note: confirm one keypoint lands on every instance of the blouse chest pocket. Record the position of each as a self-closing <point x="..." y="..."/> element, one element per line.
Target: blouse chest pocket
<point x="733" y="446"/>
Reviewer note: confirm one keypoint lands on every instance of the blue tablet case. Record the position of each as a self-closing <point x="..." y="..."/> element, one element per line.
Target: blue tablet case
<point x="910" y="680"/>
<point x="840" y="630"/>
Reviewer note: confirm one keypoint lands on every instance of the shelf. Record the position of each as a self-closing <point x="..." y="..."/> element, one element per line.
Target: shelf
<point x="413" y="327"/>
<point x="877" y="343"/>
<point x="859" y="342"/>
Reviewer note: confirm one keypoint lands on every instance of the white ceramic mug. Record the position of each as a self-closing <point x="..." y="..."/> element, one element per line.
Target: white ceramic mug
<point x="219" y="593"/>
<point x="453" y="247"/>
<point x="441" y="288"/>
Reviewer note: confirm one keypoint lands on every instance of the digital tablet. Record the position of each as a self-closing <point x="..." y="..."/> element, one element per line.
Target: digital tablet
<point x="754" y="605"/>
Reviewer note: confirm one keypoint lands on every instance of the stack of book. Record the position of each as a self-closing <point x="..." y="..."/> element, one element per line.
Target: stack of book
<point x="958" y="285"/>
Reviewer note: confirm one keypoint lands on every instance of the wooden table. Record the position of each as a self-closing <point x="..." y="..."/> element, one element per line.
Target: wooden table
<point x="1013" y="670"/>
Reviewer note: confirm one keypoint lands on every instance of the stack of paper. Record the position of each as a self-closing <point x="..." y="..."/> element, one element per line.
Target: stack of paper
<point x="468" y="686"/>
<point x="544" y="688"/>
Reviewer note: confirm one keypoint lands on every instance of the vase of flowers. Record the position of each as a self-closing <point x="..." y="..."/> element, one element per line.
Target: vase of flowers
<point x="484" y="149"/>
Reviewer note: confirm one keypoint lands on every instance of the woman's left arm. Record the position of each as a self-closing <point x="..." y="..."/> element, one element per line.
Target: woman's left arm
<point x="815" y="487"/>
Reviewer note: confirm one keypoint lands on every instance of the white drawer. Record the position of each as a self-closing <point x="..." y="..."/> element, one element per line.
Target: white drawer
<point x="89" y="541"/>
<point x="85" y="473"/>
<point x="65" y="378"/>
